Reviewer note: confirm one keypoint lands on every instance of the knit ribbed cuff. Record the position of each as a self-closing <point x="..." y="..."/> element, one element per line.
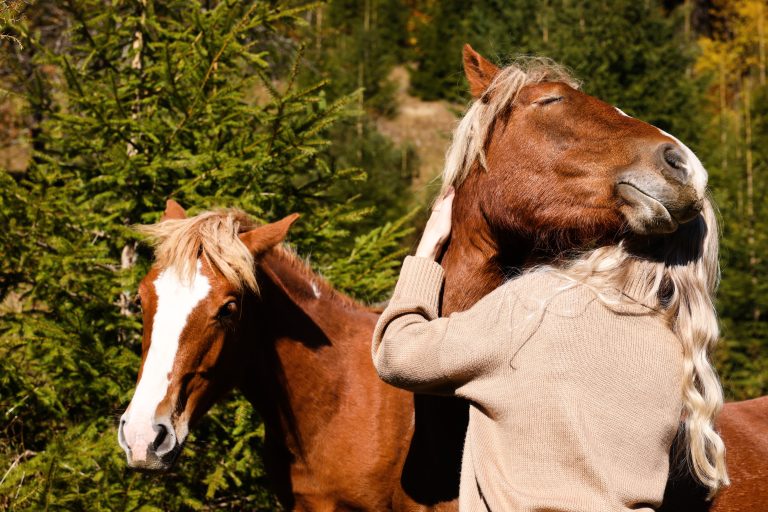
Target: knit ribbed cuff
<point x="420" y="279"/>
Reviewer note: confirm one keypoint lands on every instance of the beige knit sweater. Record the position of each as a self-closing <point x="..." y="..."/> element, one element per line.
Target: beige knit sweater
<point x="574" y="405"/>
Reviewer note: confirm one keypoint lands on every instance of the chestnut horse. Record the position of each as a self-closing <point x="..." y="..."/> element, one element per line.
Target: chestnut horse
<point x="541" y="169"/>
<point x="226" y="306"/>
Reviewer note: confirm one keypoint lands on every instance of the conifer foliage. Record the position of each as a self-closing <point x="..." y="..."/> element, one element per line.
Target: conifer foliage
<point x="272" y="106"/>
<point x="628" y="53"/>
<point x="135" y="103"/>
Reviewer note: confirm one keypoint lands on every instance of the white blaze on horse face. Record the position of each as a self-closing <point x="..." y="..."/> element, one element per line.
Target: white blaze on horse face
<point x="175" y="301"/>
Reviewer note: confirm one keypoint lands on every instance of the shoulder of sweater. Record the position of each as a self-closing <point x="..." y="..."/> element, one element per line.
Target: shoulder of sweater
<point x="547" y="286"/>
<point x="567" y="300"/>
<point x="565" y="297"/>
<point x="537" y="280"/>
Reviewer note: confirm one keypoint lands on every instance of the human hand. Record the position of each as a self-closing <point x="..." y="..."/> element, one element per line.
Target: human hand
<point x="438" y="228"/>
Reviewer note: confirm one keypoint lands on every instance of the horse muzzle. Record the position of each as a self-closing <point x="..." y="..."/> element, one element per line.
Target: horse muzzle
<point x="667" y="193"/>
<point x="149" y="445"/>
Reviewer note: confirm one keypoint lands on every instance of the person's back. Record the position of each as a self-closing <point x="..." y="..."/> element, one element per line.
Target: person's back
<point x="574" y="404"/>
<point x="578" y="376"/>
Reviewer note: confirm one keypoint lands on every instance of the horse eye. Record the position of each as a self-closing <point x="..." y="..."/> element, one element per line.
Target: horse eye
<point x="548" y="100"/>
<point x="227" y="310"/>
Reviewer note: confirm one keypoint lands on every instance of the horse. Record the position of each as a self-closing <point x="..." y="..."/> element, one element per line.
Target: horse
<point x="543" y="170"/>
<point x="226" y="306"/>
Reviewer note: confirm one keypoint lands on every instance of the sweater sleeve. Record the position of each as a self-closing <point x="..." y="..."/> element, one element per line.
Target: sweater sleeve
<point x="413" y="348"/>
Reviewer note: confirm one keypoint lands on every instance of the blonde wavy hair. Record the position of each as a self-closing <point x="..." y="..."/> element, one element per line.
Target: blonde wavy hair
<point x="681" y="273"/>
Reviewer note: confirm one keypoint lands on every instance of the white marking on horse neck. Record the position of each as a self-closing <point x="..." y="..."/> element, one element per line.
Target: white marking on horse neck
<point x="175" y="301"/>
<point x="316" y="289"/>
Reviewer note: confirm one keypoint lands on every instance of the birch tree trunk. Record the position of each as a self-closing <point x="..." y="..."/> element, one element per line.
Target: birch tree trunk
<point x="761" y="41"/>
<point x="129" y="253"/>
<point x="748" y="157"/>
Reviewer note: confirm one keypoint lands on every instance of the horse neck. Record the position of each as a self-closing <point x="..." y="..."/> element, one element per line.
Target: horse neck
<point x="307" y="345"/>
<point x="478" y="258"/>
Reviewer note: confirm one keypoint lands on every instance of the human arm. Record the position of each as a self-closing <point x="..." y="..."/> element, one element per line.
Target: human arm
<point x="413" y="348"/>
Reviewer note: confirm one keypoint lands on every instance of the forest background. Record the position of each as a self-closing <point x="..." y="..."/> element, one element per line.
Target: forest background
<point x="339" y="110"/>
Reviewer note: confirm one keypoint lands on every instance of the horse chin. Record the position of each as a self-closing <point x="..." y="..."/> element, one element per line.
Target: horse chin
<point x="645" y="214"/>
<point x="154" y="463"/>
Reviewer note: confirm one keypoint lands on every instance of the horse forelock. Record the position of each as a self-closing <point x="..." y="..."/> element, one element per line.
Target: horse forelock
<point x="180" y="243"/>
<point x="469" y="137"/>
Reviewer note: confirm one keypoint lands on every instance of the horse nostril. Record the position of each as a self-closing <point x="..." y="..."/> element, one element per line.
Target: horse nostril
<point x="674" y="158"/>
<point x="165" y="441"/>
<point x="161" y="435"/>
<point x="674" y="163"/>
<point x="121" y="435"/>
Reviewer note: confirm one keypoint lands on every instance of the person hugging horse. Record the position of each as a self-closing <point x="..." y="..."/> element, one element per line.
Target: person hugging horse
<point x="579" y="374"/>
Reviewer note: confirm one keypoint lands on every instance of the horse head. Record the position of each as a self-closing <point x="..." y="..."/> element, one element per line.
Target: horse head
<point x="191" y="301"/>
<point x="542" y="168"/>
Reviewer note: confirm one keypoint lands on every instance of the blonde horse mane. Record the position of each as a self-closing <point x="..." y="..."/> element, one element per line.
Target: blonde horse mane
<point x="179" y="243"/>
<point x="469" y="137"/>
<point x="214" y="235"/>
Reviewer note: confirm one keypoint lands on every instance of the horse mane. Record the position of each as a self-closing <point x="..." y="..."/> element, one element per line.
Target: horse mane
<point x="469" y="137"/>
<point x="179" y="243"/>
<point x="318" y="285"/>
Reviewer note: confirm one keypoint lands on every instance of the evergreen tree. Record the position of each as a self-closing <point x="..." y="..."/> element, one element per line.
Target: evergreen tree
<point x="440" y="37"/>
<point x="355" y="45"/>
<point x="631" y="54"/>
<point x="141" y="101"/>
<point x="358" y="42"/>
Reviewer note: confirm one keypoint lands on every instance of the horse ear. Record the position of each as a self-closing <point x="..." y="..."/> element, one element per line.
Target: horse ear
<point x="265" y="237"/>
<point x="480" y="73"/>
<point x="173" y="211"/>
